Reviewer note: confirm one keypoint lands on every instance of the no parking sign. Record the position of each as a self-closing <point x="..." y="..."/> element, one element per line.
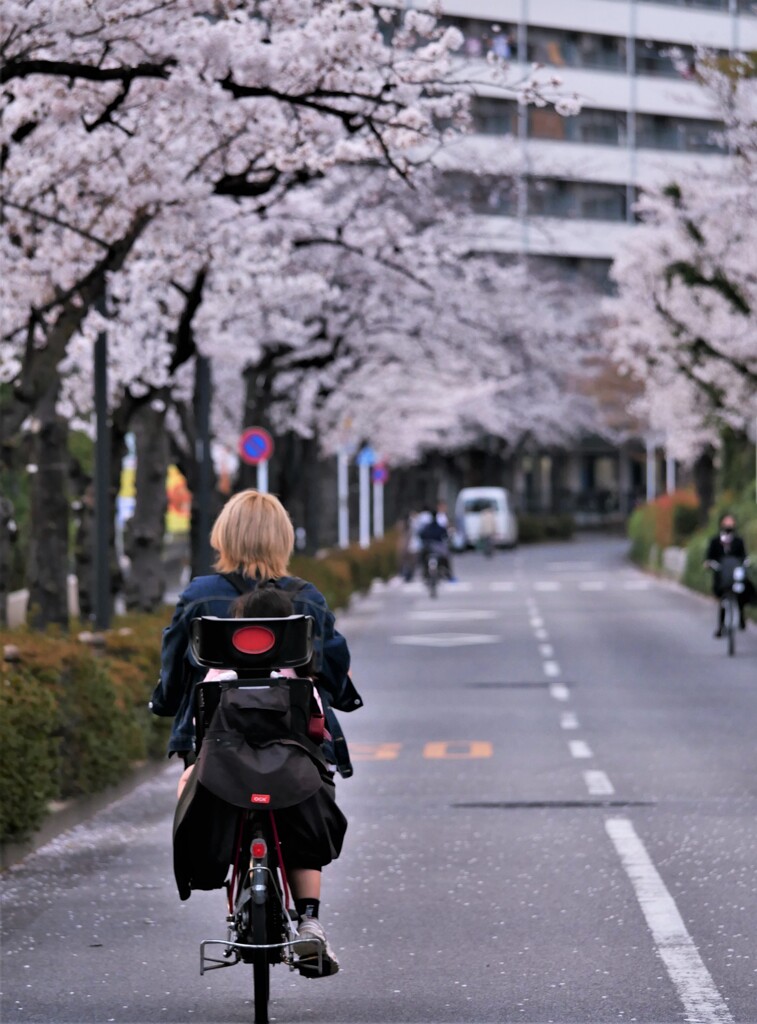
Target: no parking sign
<point x="255" y="446"/>
<point x="380" y="473"/>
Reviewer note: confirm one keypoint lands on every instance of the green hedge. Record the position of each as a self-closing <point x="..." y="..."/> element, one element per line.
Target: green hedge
<point x="74" y="718"/>
<point x="659" y="524"/>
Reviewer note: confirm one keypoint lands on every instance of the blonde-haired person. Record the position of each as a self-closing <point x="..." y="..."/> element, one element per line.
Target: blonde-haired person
<point x="254" y="541"/>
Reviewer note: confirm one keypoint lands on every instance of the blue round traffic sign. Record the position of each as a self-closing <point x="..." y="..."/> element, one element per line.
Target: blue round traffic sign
<point x="380" y="473"/>
<point x="255" y="445"/>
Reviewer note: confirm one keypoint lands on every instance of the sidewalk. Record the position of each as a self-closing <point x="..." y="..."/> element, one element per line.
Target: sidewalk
<point x="66" y="815"/>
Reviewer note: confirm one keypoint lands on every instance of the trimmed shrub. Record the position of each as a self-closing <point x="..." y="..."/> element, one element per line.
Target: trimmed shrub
<point x="29" y="754"/>
<point x="342" y="572"/>
<point x="685" y="523"/>
<point x="535" y="528"/>
<point x="73" y="718"/>
<point x="651" y="526"/>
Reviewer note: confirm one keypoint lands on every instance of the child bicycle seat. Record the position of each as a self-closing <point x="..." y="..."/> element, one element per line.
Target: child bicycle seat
<point x="252" y="647"/>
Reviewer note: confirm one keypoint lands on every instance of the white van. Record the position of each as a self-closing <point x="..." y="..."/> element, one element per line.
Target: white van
<point x="470" y="503"/>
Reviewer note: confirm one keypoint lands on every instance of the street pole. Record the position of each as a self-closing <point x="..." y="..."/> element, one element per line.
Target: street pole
<point x="670" y="474"/>
<point x="263" y="476"/>
<point x="651" y="470"/>
<point x="378" y="509"/>
<point x="365" y="505"/>
<point x="343" y="497"/>
<point x="203" y="456"/>
<point x="101" y="562"/>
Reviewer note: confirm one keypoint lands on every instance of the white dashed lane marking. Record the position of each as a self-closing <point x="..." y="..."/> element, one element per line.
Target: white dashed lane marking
<point x="446" y="639"/>
<point x="580" y="748"/>
<point x="598" y="783"/>
<point x="552" y="586"/>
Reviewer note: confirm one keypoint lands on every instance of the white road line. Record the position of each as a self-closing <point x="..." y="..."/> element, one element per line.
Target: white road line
<point x="701" y="1000"/>
<point x="456" y="614"/>
<point x="598" y="783"/>
<point x="551" y="669"/>
<point x="547" y="585"/>
<point x="559" y="691"/>
<point x="568" y="720"/>
<point x="535" y="622"/>
<point x="579" y="748"/>
<point x="546" y="650"/>
<point x="636" y="585"/>
<point x="541" y="633"/>
<point x="503" y="586"/>
<point x="575" y="566"/>
<point x="445" y="639"/>
<point x="592" y="585"/>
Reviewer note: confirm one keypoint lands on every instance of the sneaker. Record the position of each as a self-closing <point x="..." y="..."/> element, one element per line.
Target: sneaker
<point x="718" y="632"/>
<point x="316" y="958"/>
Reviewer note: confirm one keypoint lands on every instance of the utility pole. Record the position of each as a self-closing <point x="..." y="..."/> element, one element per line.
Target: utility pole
<point x="101" y="560"/>
<point x="204" y="471"/>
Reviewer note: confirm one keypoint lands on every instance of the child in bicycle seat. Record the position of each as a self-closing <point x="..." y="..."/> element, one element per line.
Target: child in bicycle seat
<point x="313" y="816"/>
<point x="264" y="603"/>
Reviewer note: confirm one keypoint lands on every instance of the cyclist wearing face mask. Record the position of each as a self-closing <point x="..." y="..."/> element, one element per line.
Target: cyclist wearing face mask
<point x="725" y="544"/>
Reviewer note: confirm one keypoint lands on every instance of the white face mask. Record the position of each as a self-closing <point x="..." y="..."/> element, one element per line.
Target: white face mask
<point x="726" y="536"/>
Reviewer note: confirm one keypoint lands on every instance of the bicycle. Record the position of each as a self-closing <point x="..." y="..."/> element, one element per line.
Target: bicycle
<point x="261" y="925"/>
<point x="732" y="573"/>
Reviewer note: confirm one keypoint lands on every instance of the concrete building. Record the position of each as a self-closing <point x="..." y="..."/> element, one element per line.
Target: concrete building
<point x="643" y="119"/>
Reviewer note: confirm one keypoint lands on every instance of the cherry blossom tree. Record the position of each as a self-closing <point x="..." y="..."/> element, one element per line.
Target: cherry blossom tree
<point x="124" y="117"/>
<point x="685" y="313"/>
<point x="148" y="147"/>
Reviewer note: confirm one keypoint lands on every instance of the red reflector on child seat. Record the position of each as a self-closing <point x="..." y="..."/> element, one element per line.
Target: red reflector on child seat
<point x="253" y="640"/>
<point x="259" y="849"/>
<point x="260" y="798"/>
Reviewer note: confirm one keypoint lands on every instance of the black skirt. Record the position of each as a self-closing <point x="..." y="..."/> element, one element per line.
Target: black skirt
<point x="311" y="834"/>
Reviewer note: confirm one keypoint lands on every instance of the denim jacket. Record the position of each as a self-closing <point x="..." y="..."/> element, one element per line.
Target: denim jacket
<point x="212" y="595"/>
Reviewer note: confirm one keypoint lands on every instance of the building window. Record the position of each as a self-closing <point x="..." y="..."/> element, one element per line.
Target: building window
<point x="492" y="116"/>
<point x="582" y="200"/>
<point x="668" y="60"/>
<point x="483" y="194"/>
<point x="675" y="133"/>
<point x="599" y="127"/>
<point x="576" y="49"/>
<point x="485" y="37"/>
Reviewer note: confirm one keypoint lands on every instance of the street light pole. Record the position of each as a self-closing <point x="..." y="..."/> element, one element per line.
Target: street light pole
<point x="202" y="454"/>
<point x="101" y="560"/>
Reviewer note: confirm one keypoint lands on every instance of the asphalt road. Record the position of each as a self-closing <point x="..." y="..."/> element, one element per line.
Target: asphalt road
<point x="553" y="817"/>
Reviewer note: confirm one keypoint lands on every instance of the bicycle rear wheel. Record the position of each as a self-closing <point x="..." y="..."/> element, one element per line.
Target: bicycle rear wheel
<point x="730" y="624"/>
<point x="260" y="962"/>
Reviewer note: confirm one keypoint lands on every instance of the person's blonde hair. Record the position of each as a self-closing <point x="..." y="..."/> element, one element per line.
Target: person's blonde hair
<point x="253" y="535"/>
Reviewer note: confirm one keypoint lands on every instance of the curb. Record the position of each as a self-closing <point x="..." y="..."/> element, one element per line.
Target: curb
<point x="68" y="815"/>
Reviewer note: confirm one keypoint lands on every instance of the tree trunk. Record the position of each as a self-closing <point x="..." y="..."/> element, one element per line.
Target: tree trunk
<point x="704" y="482"/>
<point x="48" y="548"/>
<point x="7" y="523"/>
<point x="736" y="460"/>
<point x="143" y="541"/>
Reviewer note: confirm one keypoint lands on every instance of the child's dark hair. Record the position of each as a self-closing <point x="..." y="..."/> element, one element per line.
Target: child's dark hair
<point x="265" y="602"/>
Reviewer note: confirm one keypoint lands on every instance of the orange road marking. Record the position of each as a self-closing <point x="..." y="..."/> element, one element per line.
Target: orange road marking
<point x="375" y="751"/>
<point x="461" y="750"/>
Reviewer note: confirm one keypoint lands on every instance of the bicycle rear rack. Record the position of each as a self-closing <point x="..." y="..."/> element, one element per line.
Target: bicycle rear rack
<point x="209" y="963"/>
